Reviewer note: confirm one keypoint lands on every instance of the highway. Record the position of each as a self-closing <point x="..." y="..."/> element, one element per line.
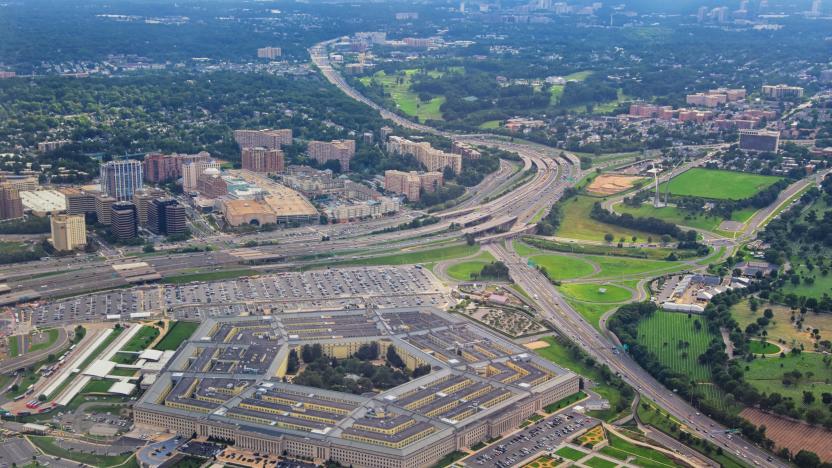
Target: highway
<point x="555" y="308"/>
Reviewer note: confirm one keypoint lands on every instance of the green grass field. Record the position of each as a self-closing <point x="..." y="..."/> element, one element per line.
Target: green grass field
<point x="598" y="462"/>
<point x="590" y="312"/>
<point x="560" y="355"/>
<point x="51" y="338"/>
<point x="822" y="284"/>
<point x="14" y="346"/>
<point x="592" y="292"/>
<point x="661" y="334"/>
<point x="466" y="271"/>
<point x="561" y="267"/>
<point x="140" y="341"/>
<point x="615" y="267"/>
<point x="767" y="376"/>
<point x="398" y="87"/>
<point x="671" y="214"/>
<point x="177" y="333"/>
<point x="577" y="224"/>
<point x="762" y="347"/>
<point x="719" y="184"/>
<point x="570" y="453"/>
<point x="645" y="456"/>
<point x="489" y="124"/>
<point x="50" y="447"/>
<point x="546" y="245"/>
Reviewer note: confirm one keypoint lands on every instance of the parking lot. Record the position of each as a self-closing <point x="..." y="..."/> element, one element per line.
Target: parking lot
<point x="387" y="287"/>
<point x="545" y="436"/>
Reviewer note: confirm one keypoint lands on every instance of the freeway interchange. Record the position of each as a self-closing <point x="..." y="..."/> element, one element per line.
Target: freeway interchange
<point x="555" y="172"/>
<point x="554" y="308"/>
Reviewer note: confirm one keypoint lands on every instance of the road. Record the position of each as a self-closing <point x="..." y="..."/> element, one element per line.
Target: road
<point x="569" y="321"/>
<point x="10" y="365"/>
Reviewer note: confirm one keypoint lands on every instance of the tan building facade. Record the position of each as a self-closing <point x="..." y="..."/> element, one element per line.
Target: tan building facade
<point x="410" y="184"/>
<point x="335" y="150"/>
<point x="272" y="139"/>
<point x="68" y="232"/>
<point x="262" y="159"/>
<point x="432" y="158"/>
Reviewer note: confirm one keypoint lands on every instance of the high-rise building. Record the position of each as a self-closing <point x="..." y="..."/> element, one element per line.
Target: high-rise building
<point x="78" y="201"/>
<point x="142" y="199"/>
<point x="262" y="159"/>
<point x="782" y="91"/>
<point x="759" y="140"/>
<point x="68" y="231"/>
<point x="335" y="150"/>
<point x="11" y="205"/>
<point x="120" y="179"/>
<point x="104" y="208"/>
<point x="123" y="221"/>
<point x="270" y="53"/>
<point x="271" y="139"/>
<point x="192" y="170"/>
<point x="384" y="132"/>
<point x="160" y="167"/>
<point x="166" y="216"/>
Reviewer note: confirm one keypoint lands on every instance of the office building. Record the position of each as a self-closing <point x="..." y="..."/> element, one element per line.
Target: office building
<point x="262" y="159"/>
<point x="165" y="216"/>
<point x="120" y="179"/>
<point x="69" y="232"/>
<point x="480" y="387"/>
<point x="335" y="150"/>
<point x="192" y="170"/>
<point x="432" y="158"/>
<point x="782" y="91"/>
<point x="759" y="140"/>
<point x="411" y="184"/>
<point x="104" y="208"/>
<point x="123" y="220"/>
<point x="271" y="139"/>
<point x="142" y="200"/>
<point x="270" y="53"/>
<point x="11" y="205"/>
<point x="20" y="182"/>
<point x="78" y="201"/>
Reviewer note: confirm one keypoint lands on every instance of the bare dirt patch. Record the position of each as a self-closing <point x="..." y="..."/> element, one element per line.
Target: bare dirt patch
<point x="537" y="344"/>
<point x="610" y="184"/>
<point x="793" y="435"/>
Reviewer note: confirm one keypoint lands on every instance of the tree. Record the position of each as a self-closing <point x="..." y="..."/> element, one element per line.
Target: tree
<point x="609" y="237"/>
<point x="806" y="459"/>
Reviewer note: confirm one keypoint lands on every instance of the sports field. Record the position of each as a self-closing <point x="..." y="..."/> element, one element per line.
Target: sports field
<point x="719" y="184"/>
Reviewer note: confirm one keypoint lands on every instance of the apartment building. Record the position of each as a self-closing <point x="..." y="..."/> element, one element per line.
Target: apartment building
<point x="192" y="170"/>
<point x="11" y="205"/>
<point x="47" y="146"/>
<point x="270" y="53"/>
<point x="335" y="150"/>
<point x="782" y="91"/>
<point x="432" y="158"/>
<point x="261" y="159"/>
<point x="160" y="167"/>
<point x="271" y="139"/>
<point x="410" y="184"/>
